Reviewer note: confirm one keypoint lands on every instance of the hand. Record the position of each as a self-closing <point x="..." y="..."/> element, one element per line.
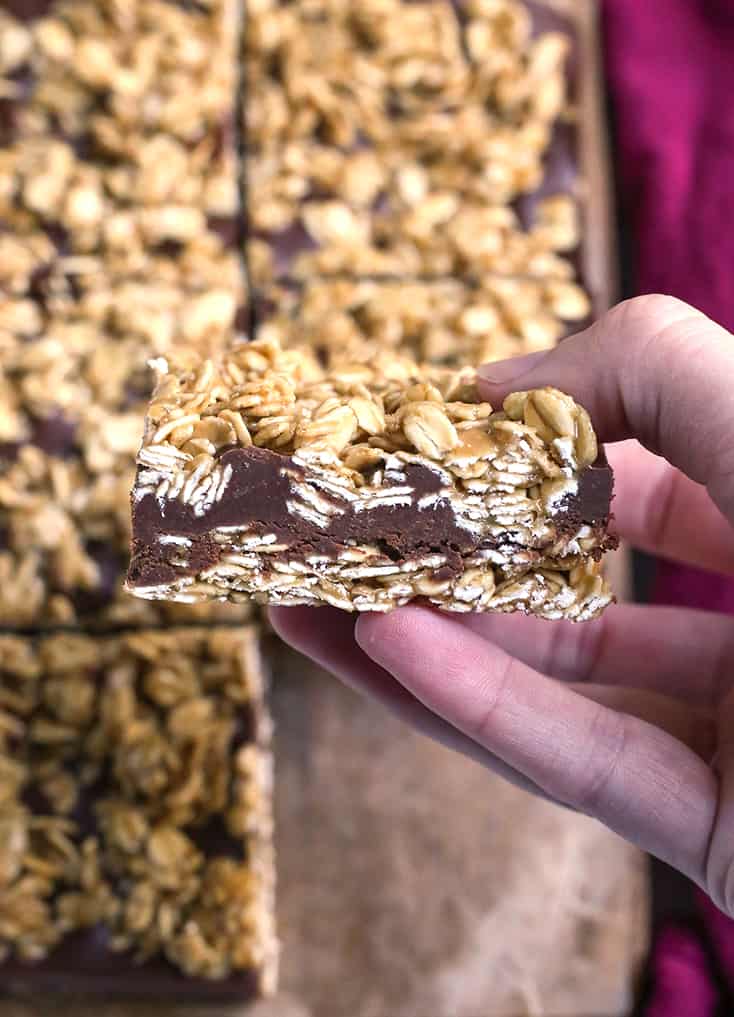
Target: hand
<point x="629" y="718"/>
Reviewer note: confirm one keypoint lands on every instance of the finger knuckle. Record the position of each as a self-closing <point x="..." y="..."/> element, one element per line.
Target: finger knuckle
<point x="607" y="740"/>
<point x="639" y="319"/>
<point x="661" y="306"/>
<point x="654" y="311"/>
<point x="483" y="727"/>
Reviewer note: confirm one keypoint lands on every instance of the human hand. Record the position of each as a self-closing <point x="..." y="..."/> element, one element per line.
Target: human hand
<point x="629" y="718"/>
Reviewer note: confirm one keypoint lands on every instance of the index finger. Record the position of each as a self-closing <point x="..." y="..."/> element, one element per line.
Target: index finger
<point x="654" y="369"/>
<point x="632" y="775"/>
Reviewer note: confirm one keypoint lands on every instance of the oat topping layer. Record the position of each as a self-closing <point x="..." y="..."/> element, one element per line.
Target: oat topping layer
<point x="135" y="809"/>
<point x="264" y="476"/>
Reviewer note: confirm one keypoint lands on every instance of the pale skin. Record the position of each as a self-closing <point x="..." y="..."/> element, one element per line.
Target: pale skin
<point x="629" y="718"/>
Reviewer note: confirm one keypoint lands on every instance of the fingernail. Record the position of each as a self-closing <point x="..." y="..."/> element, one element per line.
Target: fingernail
<point x="505" y="372"/>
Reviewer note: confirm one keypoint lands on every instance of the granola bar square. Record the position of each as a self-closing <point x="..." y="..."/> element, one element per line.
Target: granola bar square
<point x="135" y="815"/>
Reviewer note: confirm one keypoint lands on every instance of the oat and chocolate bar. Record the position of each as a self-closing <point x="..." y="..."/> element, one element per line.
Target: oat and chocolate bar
<point x="431" y="234"/>
<point x="263" y="476"/>
<point x="446" y="322"/>
<point x="74" y="383"/>
<point x="135" y="821"/>
<point x="111" y="76"/>
<point x="394" y="138"/>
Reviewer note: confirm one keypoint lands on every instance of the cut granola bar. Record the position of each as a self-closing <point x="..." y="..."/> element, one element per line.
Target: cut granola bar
<point x="135" y="816"/>
<point x="394" y="138"/>
<point x="263" y="476"/>
<point x="74" y="387"/>
<point x="120" y="164"/>
<point x="119" y="241"/>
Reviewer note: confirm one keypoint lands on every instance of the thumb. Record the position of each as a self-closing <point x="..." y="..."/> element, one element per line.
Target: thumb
<point x="654" y="369"/>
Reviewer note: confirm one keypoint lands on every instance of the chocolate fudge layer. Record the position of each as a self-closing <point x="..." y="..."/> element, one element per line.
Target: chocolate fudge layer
<point x="136" y="819"/>
<point x="263" y="476"/>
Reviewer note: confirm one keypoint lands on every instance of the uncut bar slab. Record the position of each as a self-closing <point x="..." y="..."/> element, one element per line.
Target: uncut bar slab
<point x="136" y="820"/>
<point x="445" y="322"/>
<point x="376" y="150"/>
<point x="262" y="476"/>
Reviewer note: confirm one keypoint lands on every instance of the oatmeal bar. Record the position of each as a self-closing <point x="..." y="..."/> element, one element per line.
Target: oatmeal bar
<point x="74" y="384"/>
<point x="135" y="821"/>
<point x="401" y="139"/>
<point x="263" y="476"/>
<point x="120" y="132"/>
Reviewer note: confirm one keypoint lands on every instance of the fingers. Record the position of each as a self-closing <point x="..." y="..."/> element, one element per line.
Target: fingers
<point x="659" y="509"/>
<point x="635" y="777"/>
<point x="674" y="651"/>
<point x="653" y="369"/>
<point x="720" y="862"/>
<point x="326" y="636"/>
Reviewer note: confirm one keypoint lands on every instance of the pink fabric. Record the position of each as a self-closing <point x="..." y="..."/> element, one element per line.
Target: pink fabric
<point x="671" y="76"/>
<point x="670" y="70"/>
<point x="681" y="984"/>
<point x="720" y="934"/>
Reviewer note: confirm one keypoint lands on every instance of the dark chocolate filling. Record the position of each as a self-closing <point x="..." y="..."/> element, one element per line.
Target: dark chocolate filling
<point x="27" y="10"/>
<point x="83" y="962"/>
<point x="256" y="498"/>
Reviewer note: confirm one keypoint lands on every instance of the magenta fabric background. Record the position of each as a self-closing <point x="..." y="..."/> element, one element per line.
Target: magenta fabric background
<point x="670" y="72"/>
